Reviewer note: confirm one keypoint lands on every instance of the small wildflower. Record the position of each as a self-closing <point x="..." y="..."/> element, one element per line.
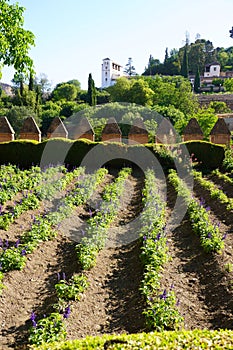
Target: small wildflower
<point x="67" y="312"/>
<point x="58" y="276"/>
<point x="33" y="319"/>
<point x="17" y="243"/>
<point x="224" y="236"/>
<point x="23" y="252"/>
<point x="164" y="295"/>
<point x="63" y="276"/>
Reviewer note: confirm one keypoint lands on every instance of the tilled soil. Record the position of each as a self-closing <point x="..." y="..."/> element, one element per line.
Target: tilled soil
<point x="112" y="303"/>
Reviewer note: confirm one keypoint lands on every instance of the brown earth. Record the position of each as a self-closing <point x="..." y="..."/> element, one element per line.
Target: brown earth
<point x="112" y="303"/>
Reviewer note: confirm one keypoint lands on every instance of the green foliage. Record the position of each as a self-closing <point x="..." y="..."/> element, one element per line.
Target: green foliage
<point x="97" y="226"/>
<point x="161" y="312"/>
<point x="228" y="84"/>
<point x="197" y="81"/>
<point x="208" y="155"/>
<point x="69" y="108"/>
<point x="228" y="160"/>
<point x="184" y="67"/>
<point x="210" y="237"/>
<point x="16" y="116"/>
<point x="72" y="289"/>
<point x="48" y="329"/>
<point x="140" y="93"/>
<point x="15" y="41"/>
<point x="215" y="192"/>
<point x="65" y="91"/>
<point x="12" y="259"/>
<point x="129" y="68"/>
<point x="200" y="339"/>
<point x="206" y="118"/>
<point x="219" y="107"/>
<point x="91" y="93"/>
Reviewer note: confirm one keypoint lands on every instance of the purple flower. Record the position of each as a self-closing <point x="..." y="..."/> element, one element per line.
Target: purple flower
<point x="33" y="318"/>
<point x="67" y="312"/>
<point x="63" y="276"/>
<point x="144" y="238"/>
<point x="202" y="201"/>
<point x="23" y="252"/>
<point x="178" y="302"/>
<point x="172" y="286"/>
<point x="209" y="235"/>
<point x="58" y="276"/>
<point x="1" y="243"/>
<point x="164" y="295"/>
<point x="158" y="236"/>
<point x="207" y="208"/>
<point x="17" y="243"/>
<point x="224" y="236"/>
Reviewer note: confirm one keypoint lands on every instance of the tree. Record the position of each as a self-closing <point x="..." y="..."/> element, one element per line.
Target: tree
<point x="228" y="84"/>
<point x="166" y="55"/>
<point x="129" y="68"/>
<point x="91" y="92"/>
<point x="140" y="93"/>
<point x="197" y="81"/>
<point x="119" y="91"/>
<point x="184" y="66"/>
<point x="15" y="41"/>
<point x="65" y="91"/>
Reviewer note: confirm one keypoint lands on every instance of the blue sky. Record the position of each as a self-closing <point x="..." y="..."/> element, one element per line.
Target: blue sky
<point x="73" y="36"/>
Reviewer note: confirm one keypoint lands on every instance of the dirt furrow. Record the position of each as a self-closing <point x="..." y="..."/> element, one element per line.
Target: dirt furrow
<point x="113" y="303"/>
<point x="201" y="281"/>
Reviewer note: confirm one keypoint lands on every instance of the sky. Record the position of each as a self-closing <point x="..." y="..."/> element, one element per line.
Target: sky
<point x="72" y="37"/>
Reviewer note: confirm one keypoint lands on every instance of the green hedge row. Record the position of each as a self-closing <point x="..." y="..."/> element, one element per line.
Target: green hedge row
<point x="196" y="339"/>
<point x="24" y="153"/>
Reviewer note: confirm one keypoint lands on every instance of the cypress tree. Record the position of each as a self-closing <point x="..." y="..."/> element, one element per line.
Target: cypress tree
<point x="31" y="82"/>
<point x="91" y="93"/>
<point x="184" y="66"/>
<point x="197" y="81"/>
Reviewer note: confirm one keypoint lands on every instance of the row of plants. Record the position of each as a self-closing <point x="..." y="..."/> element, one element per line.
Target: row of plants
<point x="161" y="310"/>
<point x="223" y="176"/>
<point x="214" y="190"/>
<point x="172" y="340"/>
<point x="52" y="327"/>
<point x="46" y="185"/>
<point x="16" y="180"/>
<point x="95" y="234"/>
<point x="211" y="238"/>
<point x="13" y="257"/>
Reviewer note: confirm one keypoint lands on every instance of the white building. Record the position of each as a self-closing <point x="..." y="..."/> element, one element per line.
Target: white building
<point x="111" y="71"/>
<point x="212" y="70"/>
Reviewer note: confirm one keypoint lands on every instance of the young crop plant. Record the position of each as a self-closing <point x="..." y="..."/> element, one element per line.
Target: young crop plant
<point x="44" y="226"/>
<point x="215" y="192"/>
<point x="72" y="289"/>
<point x="96" y="232"/>
<point x="210" y="235"/>
<point x="48" y="329"/>
<point x="161" y="310"/>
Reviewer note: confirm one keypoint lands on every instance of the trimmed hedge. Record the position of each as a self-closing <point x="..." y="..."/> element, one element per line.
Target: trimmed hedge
<point x="196" y="339"/>
<point x="209" y="154"/>
<point x="25" y="153"/>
